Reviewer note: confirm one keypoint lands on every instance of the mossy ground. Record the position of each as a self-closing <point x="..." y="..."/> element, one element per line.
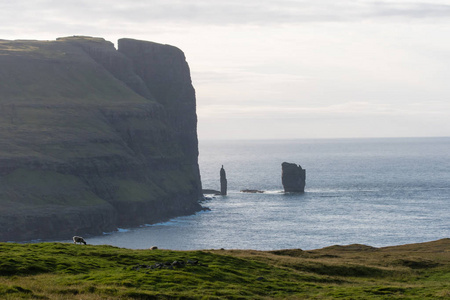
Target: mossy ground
<point x="67" y="271"/>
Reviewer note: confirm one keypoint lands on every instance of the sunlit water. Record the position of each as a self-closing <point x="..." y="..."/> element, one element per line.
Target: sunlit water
<point x="377" y="192"/>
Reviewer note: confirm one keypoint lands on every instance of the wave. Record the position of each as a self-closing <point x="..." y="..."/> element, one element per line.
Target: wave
<point x="116" y="231"/>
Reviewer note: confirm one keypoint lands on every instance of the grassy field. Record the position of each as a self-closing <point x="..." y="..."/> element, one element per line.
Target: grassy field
<point x="67" y="271"/>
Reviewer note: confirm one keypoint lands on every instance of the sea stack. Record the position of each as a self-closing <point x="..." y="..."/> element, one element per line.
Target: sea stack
<point x="223" y="182"/>
<point x="293" y="178"/>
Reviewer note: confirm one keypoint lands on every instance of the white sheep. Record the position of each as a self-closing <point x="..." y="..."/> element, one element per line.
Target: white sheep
<point x="78" y="239"/>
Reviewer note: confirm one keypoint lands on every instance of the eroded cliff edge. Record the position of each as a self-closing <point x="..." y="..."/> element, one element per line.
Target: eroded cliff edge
<point x="93" y="138"/>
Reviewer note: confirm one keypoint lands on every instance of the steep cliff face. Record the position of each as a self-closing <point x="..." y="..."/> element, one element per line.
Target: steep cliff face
<point x="92" y="138"/>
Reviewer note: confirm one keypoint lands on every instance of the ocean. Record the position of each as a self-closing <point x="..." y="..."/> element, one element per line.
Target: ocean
<point x="378" y="192"/>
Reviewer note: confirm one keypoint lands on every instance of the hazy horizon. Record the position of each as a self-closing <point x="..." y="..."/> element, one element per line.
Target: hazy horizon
<point x="282" y="69"/>
<point x="324" y="138"/>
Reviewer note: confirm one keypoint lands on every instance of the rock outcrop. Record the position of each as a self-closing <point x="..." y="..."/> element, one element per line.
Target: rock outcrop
<point x="93" y="138"/>
<point x="293" y="178"/>
<point x="211" y="192"/>
<point x="252" y="191"/>
<point x="223" y="182"/>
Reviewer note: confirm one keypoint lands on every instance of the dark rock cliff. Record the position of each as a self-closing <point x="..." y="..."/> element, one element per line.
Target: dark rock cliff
<point x="293" y="178"/>
<point x="93" y="138"/>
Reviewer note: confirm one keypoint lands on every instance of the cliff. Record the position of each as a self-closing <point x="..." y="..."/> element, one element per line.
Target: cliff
<point x="93" y="138"/>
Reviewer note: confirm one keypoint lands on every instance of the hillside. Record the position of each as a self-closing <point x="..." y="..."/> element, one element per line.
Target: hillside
<point x="93" y="138"/>
<point x="68" y="271"/>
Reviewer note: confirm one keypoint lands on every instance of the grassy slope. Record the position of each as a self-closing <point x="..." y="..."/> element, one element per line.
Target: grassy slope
<point x="57" y="72"/>
<point x="50" y="96"/>
<point x="66" y="271"/>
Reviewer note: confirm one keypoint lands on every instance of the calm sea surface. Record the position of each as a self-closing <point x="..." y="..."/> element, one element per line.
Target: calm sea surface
<point x="377" y="192"/>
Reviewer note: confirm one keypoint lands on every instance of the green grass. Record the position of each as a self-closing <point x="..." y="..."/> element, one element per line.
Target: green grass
<point x="58" y="72"/>
<point x="46" y="188"/>
<point x="138" y="192"/>
<point x="67" y="271"/>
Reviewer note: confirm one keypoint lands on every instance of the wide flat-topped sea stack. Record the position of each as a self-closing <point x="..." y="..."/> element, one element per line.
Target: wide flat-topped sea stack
<point x="293" y="178"/>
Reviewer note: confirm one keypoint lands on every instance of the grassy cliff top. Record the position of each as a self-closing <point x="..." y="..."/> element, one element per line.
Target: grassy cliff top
<point x="58" y="72"/>
<point x="55" y="92"/>
<point x="67" y="271"/>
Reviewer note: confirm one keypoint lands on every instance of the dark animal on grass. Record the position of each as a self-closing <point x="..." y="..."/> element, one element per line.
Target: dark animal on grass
<point x="78" y="239"/>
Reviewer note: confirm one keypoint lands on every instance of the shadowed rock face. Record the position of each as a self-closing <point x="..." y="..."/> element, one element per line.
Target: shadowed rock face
<point x="223" y="182"/>
<point x="293" y="178"/>
<point x="93" y="138"/>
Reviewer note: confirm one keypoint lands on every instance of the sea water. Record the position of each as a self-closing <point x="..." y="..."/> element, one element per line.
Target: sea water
<point x="377" y="192"/>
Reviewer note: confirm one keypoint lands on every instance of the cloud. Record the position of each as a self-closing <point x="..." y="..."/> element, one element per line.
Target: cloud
<point x="46" y="14"/>
<point x="263" y="12"/>
<point x="339" y="110"/>
<point x="417" y="10"/>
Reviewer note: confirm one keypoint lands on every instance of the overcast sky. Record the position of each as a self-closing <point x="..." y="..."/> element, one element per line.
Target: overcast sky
<point x="285" y="68"/>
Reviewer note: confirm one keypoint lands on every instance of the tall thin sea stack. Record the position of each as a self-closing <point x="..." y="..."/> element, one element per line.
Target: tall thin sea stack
<point x="223" y="182"/>
<point x="293" y="178"/>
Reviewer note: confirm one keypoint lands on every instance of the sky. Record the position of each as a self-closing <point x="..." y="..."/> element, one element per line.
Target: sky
<point x="281" y="69"/>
